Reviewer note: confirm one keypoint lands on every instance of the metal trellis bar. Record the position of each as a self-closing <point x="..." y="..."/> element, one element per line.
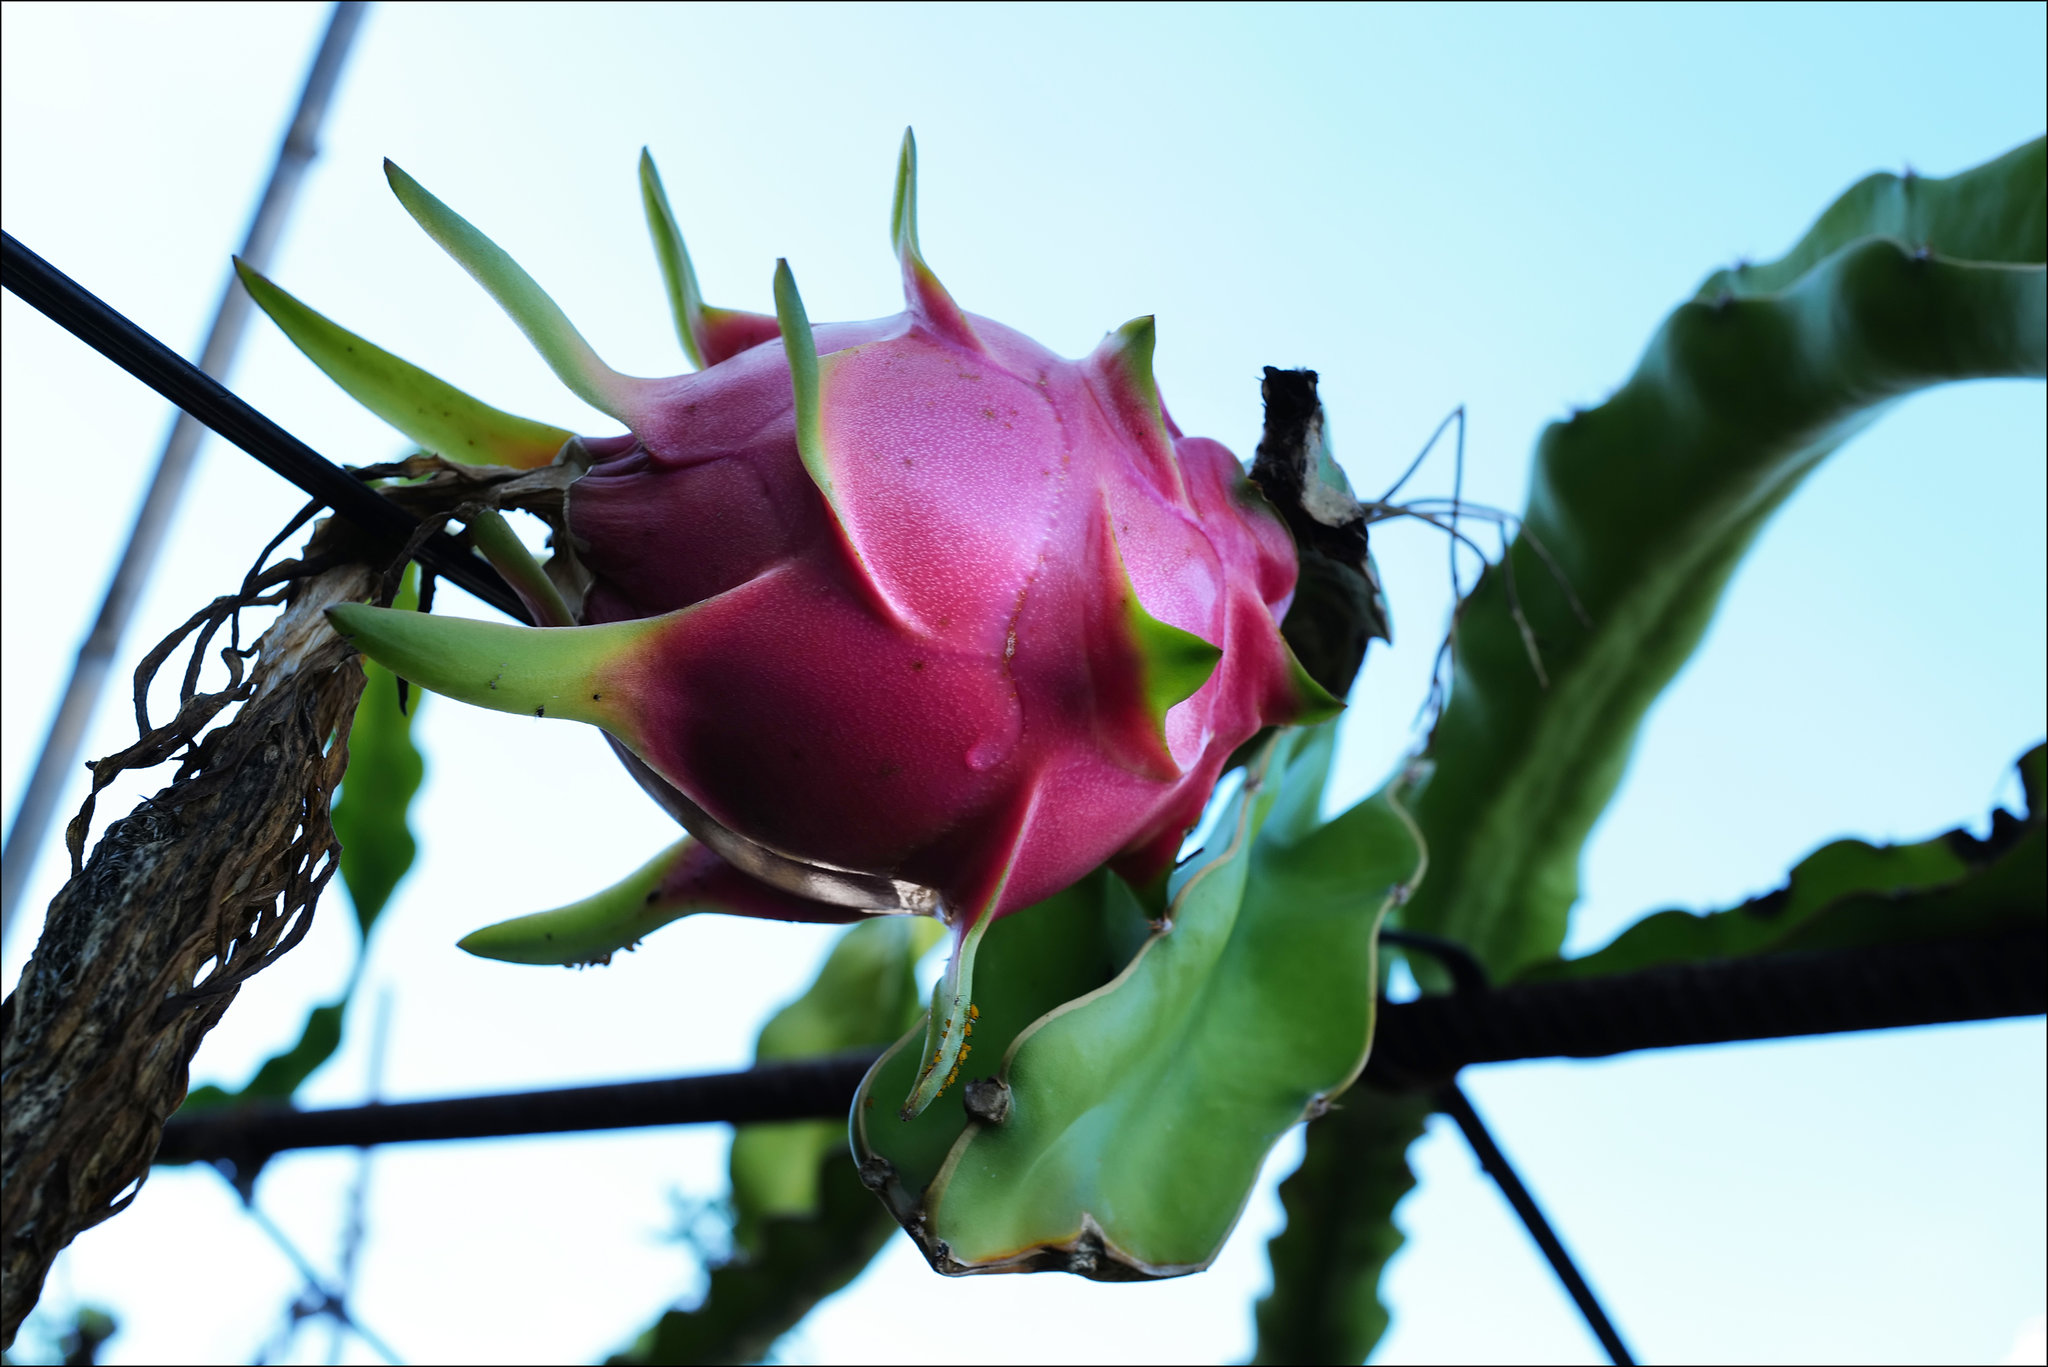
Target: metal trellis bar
<point x="1420" y="1045"/>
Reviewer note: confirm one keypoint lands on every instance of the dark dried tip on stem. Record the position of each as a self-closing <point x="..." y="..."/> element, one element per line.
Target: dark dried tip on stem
<point x="987" y="1099"/>
<point x="1337" y="604"/>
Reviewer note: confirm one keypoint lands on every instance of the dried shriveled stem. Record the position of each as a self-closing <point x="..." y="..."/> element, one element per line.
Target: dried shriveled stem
<point x="206" y="883"/>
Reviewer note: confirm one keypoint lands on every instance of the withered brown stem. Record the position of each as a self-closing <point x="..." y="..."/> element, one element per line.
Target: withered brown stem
<point x="204" y="884"/>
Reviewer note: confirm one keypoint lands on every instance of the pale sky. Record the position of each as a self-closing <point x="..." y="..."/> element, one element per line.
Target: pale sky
<point x="1431" y="206"/>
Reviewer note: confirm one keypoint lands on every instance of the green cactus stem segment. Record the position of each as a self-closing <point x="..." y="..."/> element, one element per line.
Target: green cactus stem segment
<point x="927" y="298"/>
<point x="708" y="334"/>
<point x="572" y="359"/>
<point x="1150" y="1065"/>
<point x="589" y="931"/>
<point x="432" y="412"/>
<point x="949" y="1027"/>
<point x="510" y="558"/>
<point x="589" y="674"/>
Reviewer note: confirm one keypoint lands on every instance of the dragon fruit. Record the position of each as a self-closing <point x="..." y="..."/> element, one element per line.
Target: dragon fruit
<point x="902" y="615"/>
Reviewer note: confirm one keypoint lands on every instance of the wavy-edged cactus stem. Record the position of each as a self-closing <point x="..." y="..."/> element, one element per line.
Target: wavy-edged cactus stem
<point x="1851" y="893"/>
<point x="1649" y="501"/>
<point x="1248" y="1007"/>
<point x="1647" y="504"/>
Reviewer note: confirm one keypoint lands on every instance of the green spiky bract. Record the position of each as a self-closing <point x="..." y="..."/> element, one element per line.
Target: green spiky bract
<point x="537" y="315"/>
<point x="434" y="413"/>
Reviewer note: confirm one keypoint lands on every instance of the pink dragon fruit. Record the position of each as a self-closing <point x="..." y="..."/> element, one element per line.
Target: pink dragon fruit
<point x="876" y="607"/>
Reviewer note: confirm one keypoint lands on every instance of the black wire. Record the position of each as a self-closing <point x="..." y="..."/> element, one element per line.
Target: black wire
<point x="1467" y="973"/>
<point x="85" y="316"/>
<point x="1468" y="976"/>
<point x="1451" y="1100"/>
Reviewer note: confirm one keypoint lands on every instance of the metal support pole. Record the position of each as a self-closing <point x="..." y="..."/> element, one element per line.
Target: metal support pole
<point x="25" y="834"/>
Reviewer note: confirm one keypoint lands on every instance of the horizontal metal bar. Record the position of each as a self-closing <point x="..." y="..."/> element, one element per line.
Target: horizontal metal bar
<point x="1420" y="1044"/>
<point x="804" y="1089"/>
<point x="85" y="316"/>
<point x="1773" y="996"/>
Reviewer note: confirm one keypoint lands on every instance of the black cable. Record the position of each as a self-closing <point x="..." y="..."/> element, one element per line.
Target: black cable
<point x="85" y="316"/>
<point x="1468" y="984"/>
<point x="1467" y="973"/>
<point x="1451" y="1100"/>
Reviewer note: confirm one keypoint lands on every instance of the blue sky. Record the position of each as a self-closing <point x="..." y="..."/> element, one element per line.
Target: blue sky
<point x="1431" y="206"/>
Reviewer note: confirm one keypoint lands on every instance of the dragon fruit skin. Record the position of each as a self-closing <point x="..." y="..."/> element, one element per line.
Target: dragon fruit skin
<point x="912" y="598"/>
<point x="946" y="690"/>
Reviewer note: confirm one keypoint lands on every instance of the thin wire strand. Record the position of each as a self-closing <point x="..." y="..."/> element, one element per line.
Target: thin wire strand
<point x="1456" y="415"/>
<point x="1507" y="564"/>
<point x="1457" y="502"/>
<point x="1451" y="1099"/>
<point x="1488" y="513"/>
<point x="331" y="1303"/>
<point x="353" y="1228"/>
<point x="1445" y="514"/>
